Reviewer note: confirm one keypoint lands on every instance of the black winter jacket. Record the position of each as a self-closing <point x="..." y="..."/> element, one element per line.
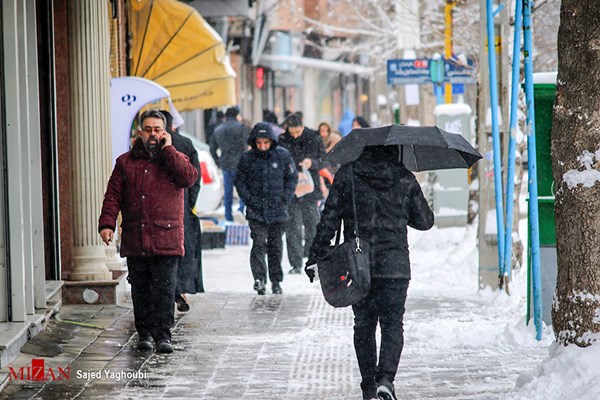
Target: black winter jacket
<point x="388" y="198"/>
<point x="266" y="181"/>
<point x="230" y="137"/>
<point x="308" y="145"/>
<point x="184" y="145"/>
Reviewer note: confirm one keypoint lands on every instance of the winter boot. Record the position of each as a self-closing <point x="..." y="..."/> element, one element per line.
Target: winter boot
<point x="276" y="287"/>
<point x="145" y="343"/>
<point x="385" y="390"/>
<point x="164" y="346"/>
<point x="182" y="303"/>
<point x="259" y="286"/>
<point x="295" y="271"/>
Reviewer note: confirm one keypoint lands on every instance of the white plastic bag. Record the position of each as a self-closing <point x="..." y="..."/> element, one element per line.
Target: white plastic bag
<point x="305" y="183"/>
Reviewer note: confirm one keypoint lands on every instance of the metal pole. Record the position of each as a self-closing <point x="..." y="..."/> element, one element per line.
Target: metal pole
<point x="510" y="177"/>
<point x="448" y="45"/>
<point x="534" y="229"/>
<point x="495" y="131"/>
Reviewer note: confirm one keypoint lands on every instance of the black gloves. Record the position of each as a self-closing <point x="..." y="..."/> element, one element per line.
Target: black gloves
<point x="311" y="270"/>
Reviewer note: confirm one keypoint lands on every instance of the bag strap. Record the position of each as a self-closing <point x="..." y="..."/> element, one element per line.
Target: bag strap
<point x="337" y="237"/>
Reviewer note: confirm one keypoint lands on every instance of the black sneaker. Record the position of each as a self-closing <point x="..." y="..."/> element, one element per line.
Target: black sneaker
<point x="145" y="343"/>
<point x="164" y="346"/>
<point x="385" y="390"/>
<point x="182" y="303"/>
<point x="295" y="271"/>
<point x="259" y="286"/>
<point x="276" y="287"/>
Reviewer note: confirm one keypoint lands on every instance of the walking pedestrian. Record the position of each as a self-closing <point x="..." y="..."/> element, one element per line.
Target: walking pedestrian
<point x="219" y="118"/>
<point x="307" y="150"/>
<point x="227" y="145"/>
<point x="329" y="138"/>
<point x="189" y="271"/>
<point x="147" y="186"/>
<point x="271" y="118"/>
<point x="360" y="122"/>
<point x="389" y="199"/>
<point x="266" y="178"/>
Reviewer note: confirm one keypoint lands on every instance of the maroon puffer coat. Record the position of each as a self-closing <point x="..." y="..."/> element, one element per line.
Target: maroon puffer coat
<point x="149" y="193"/>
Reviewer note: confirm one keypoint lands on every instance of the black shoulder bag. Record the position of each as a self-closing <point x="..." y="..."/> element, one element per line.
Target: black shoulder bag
<point x="344" y="268"/>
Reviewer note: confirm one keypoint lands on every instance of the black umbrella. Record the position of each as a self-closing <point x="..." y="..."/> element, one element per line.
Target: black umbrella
<point x="422" y="148"/>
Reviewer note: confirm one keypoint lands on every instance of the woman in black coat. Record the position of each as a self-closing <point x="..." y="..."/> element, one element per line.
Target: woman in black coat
<point x="388" y="199"/>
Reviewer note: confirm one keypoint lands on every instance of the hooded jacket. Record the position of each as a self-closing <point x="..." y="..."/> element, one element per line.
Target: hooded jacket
<point x="266" y="180"/>
<point x="148" y="191"/>
<point x="388" y="199"/>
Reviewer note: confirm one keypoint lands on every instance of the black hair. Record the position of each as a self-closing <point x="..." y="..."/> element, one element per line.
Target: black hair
<point x="169" y="117"/>
<point x="293" y="121"/>
<point x="232" y="112"/>
<point x="269" y="116"/>
<point x="362" y="122"/>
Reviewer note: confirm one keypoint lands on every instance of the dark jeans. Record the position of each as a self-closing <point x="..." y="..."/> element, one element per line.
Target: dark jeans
<point x="266" y="241"/>
<point x="228" y="181"/>
<point x="303" y="213"/>
<point x="152" y="282"/>
<point x="384" y="304"/>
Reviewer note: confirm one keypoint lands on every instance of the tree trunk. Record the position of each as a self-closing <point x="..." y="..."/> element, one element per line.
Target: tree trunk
<point x="575" y="146"/>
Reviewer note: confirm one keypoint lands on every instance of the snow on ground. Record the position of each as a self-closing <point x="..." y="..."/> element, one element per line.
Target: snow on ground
<point x="445" y="265"/>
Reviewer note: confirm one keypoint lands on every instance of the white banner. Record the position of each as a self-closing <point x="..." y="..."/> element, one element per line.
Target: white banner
<point x="127" y="96"/>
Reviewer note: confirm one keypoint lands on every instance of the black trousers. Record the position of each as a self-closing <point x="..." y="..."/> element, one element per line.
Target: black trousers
<point x="384" y="305"/>
<point x="267" y="242"/>
<point x="303" y="213"/>
<point x="153" y="282"/>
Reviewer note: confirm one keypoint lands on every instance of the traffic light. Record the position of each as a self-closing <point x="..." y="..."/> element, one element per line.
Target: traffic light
<point x="259" y="77"/>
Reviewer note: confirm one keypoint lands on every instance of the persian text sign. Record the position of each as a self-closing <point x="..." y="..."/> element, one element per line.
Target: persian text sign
<point x="422" y="71"/>
<point x="404" y="72"/>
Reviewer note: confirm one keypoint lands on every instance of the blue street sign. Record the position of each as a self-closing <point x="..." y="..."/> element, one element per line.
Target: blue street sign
<point x="454" y="73"/>
<point x="403" y="72"/>
<point x="458" y="88"/>
<point x="425" y="70"/>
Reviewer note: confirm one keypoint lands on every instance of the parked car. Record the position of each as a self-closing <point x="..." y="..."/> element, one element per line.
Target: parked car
<point x="211" y="190"/>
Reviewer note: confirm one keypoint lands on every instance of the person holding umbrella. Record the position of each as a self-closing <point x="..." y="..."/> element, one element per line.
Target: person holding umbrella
<point x="389" y="199"/>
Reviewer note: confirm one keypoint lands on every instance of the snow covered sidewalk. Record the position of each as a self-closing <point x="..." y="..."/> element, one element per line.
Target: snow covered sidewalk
<point x="460" y="343"/>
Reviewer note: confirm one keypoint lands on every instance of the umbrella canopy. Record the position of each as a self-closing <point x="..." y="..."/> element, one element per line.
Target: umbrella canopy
<point x="175" y="47"/>
<point x="422" y="148"/>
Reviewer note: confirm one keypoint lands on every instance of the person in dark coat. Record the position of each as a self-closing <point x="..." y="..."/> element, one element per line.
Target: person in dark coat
<point x="189" y="271"/>
<point x="266" y="178"/>
<point x="210" y="130"/>
<point x="307" y="150"/>
<point x="230" y="138"/>
<point x="147" y="186"/>
<point x="389" y="199"/>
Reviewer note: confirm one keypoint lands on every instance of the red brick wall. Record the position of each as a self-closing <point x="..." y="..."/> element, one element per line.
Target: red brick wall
<point x="63" y="128"/>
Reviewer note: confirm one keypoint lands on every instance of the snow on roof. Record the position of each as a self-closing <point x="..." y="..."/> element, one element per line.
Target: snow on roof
<point x="545" y="77"/>
<point x="451" y="109"/>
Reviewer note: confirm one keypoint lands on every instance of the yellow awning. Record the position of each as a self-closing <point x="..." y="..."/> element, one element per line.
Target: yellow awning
<point x="175" y="47"/>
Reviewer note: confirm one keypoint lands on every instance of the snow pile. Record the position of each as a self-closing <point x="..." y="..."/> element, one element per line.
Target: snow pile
<point x="569" y="373"/>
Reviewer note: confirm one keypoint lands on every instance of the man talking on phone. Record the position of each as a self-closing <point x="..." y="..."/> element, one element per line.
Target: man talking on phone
<point x="147" y="186"/>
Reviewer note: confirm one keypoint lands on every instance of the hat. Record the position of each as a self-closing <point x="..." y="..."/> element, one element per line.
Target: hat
<point x="262" y="130"/>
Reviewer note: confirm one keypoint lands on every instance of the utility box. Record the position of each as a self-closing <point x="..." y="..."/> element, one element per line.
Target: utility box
<point x="544" y="92"/>
<point x="451" y="186"/>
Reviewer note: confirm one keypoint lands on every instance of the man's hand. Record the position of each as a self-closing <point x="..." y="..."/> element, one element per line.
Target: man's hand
<point x="107" y="235"/>
<point x="306" y="163"/>
<point x="166" y="139"/>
